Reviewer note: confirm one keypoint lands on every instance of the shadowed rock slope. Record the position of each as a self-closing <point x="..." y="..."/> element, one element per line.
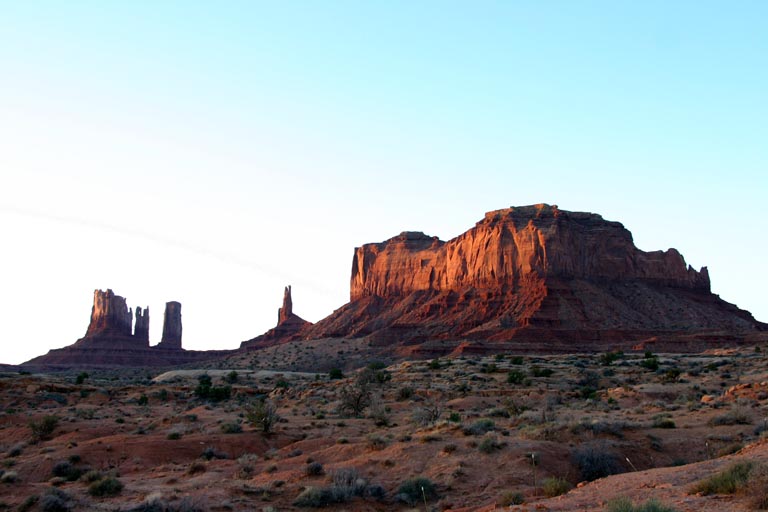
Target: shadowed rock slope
<point x="549" y="279"/>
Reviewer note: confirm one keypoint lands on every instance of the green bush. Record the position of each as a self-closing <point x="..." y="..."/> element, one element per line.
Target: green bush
<point x="728" y="481"/>
<point x="515" y="377"/>
<point x="624" y="504"/>
<point x="43" y="429"/>
<point x="555" y="486"/>
<point x="541" y="372"/>
<point x="479" y="427"/>
<point x="415" y="490"/>
<point x="109" y="486"/>
<point x="508" y="498"/>
<point x="262" y="415"/>
<point x="335" y="374"/>
<point x="489" y="444"/>
<point x="231" y="428"/>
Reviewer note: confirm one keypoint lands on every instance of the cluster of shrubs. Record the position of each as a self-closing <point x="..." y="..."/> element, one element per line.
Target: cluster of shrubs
<point x="207" y="391"/>
<point x="346" y="484"/>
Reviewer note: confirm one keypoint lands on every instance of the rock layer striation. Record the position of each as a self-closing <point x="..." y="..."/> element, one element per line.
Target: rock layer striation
<point x="535" y="274"/>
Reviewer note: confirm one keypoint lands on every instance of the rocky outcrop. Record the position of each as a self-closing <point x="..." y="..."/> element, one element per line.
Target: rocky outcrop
<point x="535" y="274"/>
<point x="288" y="327"/>
<point x="141" y="331"/>
<point x="109" y="343"/>
<point x="109" y="315"/>
<point x="171" y="327"/>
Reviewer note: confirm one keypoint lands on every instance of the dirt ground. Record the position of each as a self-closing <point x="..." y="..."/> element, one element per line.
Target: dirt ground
<point x="485" y="433"/>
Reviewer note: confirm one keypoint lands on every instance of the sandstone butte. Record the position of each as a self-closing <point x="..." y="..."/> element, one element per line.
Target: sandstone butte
<point x="534" y="278"/>
<point x="110" y="342"/>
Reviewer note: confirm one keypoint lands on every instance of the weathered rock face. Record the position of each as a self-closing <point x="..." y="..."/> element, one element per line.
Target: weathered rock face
<point x="532" y="273"/>
<point x="109" y="315"/>
<point x="171" y="326"/>
<point x="141" y="331"/>
<point x="288" y="326"/>
<point x="509" y="246"/>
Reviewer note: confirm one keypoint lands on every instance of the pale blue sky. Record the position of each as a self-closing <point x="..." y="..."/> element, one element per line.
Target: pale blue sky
<point x="212" y="153"/>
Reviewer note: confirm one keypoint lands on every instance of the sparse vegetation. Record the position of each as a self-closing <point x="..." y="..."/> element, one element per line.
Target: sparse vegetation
<point x="108" y="486"/>
<point x="262" y="414"/>
<point x="728" y="481"/>
<point x="416" y="490"/>
<point x="43" y="428"/>
<point x="555" y="486"/>
<point x="624" y="504"/>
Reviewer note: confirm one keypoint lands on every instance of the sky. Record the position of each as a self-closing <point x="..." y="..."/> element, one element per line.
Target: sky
<point x="214" y="152"/>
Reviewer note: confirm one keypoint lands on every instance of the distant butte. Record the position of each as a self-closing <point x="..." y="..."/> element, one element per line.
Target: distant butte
<point x="109" y="342"/>
<point x="533" y="278"/>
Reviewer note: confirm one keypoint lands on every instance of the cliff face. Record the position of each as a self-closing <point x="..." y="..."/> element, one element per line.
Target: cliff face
<point x="510" y="246"/>
<point x="109" y="315"/>
<point x="527" y="273"/>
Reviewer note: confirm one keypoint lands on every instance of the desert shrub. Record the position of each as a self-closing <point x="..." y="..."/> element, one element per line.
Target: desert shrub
<point x="8" y="477"/>
<point x="231" y="377"/>
<point x="16" y="450"/>
<point x="541" y="372"/>
<point x="379" y="413"/>
<point x="662" y="422"/>
<point x="509" y="498"/>
<point x="335" y="374"/>
<point x="314" y="497"/>
<point x="348" y="482"/>
<point x="671" y="375"/>
<point x="434" y="364"/>
<point x="109" y="486"/>
<point x="196" y="467"/>
<point x="376" y="442"/>
<point x="415" y="490"/>
<point x="314" y="469"/>
<point x="624" y="504"/>
<point x="595" y="461"/>
<point x="355" y="398"/>
<point x="212" y="453"/>
<point x="404" y="393"/>
<point x="516" y="360"/>
<point x="736" y="416"/>
<point x="66" y="470"/>
<point x="263" y="415"/>
<point x="489" y="444"/>
<point x="173" y="436"/>
<point x="143" y="399"/>
<point x="55" y="500"/>
<point x="28" y="503"/>
<point x="371" y="375"/>
<point x="479" y="427"/>
<point x="246" y="465"/>
<point x="428" y="412"/>
<point x="91" y="476"/>
<point x="81" y="377"/>
<point x="231" y="428"/>
<point x="609" y="357"/>
<point x="757" y="487"/>
<point x="515" y="377"/>
<point x="43" y="428"/>
<point x="728" y="481"/>
<point x="207" y="391"/>
<point x="555" y="486"/>
<point x="650" y="363"/>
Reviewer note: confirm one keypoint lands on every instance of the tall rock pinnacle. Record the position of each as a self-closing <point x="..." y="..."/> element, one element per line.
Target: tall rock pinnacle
<point x="285" y="312"/>
<point x="141" y="330"/>
<point x="172" y="326"/>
